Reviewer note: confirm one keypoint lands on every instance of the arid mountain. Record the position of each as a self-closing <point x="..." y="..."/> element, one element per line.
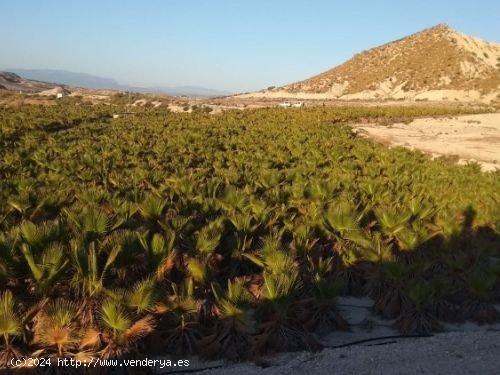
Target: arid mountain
<point x="435" y="64"/>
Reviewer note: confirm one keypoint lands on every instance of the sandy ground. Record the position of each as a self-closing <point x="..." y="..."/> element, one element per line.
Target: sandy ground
<point x="460" y="349"/>
<point x="381" y="93"/>
<point x="471" y="137"/>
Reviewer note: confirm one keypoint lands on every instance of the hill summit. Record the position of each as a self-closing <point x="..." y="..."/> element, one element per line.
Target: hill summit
<point x="438" y="63"/>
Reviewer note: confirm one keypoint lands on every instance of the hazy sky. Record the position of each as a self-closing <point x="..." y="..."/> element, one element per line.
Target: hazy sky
<point x="223" y="44"/>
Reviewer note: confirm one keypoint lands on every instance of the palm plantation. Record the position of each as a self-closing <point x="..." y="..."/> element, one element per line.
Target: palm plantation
<point x="231" y="235"/>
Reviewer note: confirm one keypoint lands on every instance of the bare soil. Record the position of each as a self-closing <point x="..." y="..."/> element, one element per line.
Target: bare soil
<point x="469" y="138"/>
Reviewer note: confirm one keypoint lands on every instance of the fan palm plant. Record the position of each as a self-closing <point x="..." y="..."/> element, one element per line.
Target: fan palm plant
<point x="38" y="236"/>
<point x="125" y="247"/>
<point x="303" y="241"/>
<point x="90" y="268"/>
<point x="377" y="254"/>
<point x="320" y="312"/>
<point x="392" y="296"/>
<point x="417" y="315"/>
<point x="233" y="199"/>
<point x="422" y="210"/>
<point x="392" y="221"/>
<point x="56" y="328"/>
<point x="244" y="226"/>
<point x="91" y="223"/>
<point x="143" y="296"/>
<point x="10" y="326"/>
<point x="208" y="238"/>
<point x="179" y="331"/>
<point x="6" y="259"/>
<point x="151" y="209"/>
<point x="160" y="252"/>
<point x="343" y="222"/>
<point x="479" y="304"/>
<point x="414" y="238"/>
<point x="46" y="267"/>
<point x="119" y="331"/>
<point x="235" y="323"/>
<point x="278" y="316"/>
<point x="202" y="267"/>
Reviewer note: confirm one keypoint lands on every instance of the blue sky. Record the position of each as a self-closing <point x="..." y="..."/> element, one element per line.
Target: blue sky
<point x="222" y="44"/>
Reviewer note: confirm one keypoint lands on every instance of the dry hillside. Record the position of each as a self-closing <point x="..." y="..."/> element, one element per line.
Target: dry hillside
<point x="12" y="82"/>
<point x="437" y="63"/>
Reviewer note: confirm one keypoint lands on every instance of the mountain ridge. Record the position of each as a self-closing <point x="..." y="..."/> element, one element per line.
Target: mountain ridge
<point x="85" y="80"/>
<point x="435" y="63"/>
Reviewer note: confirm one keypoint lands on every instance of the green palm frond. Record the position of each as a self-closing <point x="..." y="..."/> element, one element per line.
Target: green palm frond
<point x="343" y="222"/>
<point x="235" y="292"/>
<point x="421" y="209"/>
<point x="279" y="287"/>
<point x="242" y="222"/>
<point x="61" y="312"/>
<point x="303" y="240"/>
<point x="10" y="323"/>
<point x="482" y="284"/>
<point x="198" y="271"/>
<point x="46" y="267"/>
<point x="151" y="209"/>
<point x="160" y="251"/>
<point x="233" y="199"/>
<point x="94" y="196"/>
<point x="6" y="259"/>
<point x="89" y="268"/>
<point x="182" y="300"/>
<point x="208" y="238"/>
<point x="392" y="221"/>
<point x="379" y="250"/>
<point x="411" y="238"/>
<point x="55" y="326"/>
<point x="113" y="317"/>
<point x="324" y="289"/>
<point x="143" y="296"/>
<point x="420" y="293"/>
<point x="122" y="248"/>
<point x="91" y="222"/>
<point x="37" y="236"/>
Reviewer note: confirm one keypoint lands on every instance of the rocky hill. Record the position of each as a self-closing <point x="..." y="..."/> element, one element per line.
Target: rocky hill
<point x="438" y="63"/>
<point x="13" y="82"/>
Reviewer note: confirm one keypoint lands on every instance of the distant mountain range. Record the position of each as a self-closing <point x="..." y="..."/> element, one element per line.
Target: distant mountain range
<point x="65" y="77"/>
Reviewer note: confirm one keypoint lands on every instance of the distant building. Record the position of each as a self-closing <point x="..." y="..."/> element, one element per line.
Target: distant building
<point x="291" y="105"/>
<point x="59" y="95"/>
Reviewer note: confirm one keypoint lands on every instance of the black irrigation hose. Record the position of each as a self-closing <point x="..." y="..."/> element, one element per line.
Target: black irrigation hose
<point x="383" y="343"/>
<point x="376" y="339"/>
<point x="329" y="347"/>
<point x="356" y="306"/>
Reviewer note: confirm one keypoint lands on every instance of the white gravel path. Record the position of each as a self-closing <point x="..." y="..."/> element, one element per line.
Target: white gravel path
<point x="446" y="353"/>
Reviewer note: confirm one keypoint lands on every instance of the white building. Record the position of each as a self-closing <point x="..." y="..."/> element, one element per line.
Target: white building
<point x="291" y="105"/>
